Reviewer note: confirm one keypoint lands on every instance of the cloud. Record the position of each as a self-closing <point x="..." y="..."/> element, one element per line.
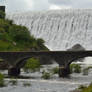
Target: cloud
<point x="25" y="5"/>
<point x="56" y="7"/>
<point x="60" y="2"/>
<point x="38" y="5"/>
<point x="17" y="5"/>
<point x="72" y="3"/>
<point x="82" y="4"/>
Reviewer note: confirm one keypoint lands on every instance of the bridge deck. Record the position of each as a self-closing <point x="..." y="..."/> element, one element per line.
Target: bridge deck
<point x="61" y="57"/>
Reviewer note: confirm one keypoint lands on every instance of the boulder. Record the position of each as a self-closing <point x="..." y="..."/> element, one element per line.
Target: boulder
<point x="76" y="47"/>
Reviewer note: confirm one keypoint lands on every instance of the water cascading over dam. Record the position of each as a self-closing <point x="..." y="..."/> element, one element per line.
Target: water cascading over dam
<point x="61" y="29"/>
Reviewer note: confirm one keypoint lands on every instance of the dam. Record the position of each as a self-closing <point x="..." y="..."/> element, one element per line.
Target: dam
<point x="61" y="29"/>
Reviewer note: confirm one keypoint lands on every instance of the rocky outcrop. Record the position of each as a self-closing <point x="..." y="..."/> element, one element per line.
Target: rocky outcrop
<point x="76" y="47"/>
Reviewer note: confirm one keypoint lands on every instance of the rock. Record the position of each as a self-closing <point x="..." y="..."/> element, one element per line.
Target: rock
<point x="76" y="47"/>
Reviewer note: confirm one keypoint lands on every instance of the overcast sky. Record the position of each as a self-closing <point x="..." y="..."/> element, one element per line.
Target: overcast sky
<point x="38" y="5"/>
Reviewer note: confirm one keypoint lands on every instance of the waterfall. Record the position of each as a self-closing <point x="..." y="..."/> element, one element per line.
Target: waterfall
<point x="61" y="29"/>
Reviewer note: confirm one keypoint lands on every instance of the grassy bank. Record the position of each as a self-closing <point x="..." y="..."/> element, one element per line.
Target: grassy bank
<point x="15" y="37"/>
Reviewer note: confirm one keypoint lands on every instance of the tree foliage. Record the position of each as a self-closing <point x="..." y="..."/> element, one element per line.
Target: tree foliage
<point x="2" y="14"/>
<point x="17" y="37"/>
<point x="32" y="64"/>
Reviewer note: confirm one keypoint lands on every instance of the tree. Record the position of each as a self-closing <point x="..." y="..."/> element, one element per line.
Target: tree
<point x="19" y="33"/>
<point x="2" y="14"/>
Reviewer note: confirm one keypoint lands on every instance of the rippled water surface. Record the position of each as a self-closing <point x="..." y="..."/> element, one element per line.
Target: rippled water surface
<point x="54" y="84"/>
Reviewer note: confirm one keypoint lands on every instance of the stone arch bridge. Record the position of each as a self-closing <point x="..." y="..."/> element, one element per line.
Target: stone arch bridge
<point x="64" y="58"/>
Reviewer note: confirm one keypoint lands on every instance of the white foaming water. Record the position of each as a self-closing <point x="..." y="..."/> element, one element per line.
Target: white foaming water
<point x="88" y="61"/>
<point x="61" y="29"/>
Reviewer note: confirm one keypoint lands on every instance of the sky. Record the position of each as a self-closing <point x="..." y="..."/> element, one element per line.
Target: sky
<point x="40" y="5"/>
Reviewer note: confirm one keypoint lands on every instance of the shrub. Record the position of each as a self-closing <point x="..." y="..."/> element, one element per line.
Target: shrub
<point x="76" y="68"/>
<point x="81" y="87"/>
<point x="1" y="60"/>
<point x="85" y="71"/>
<point x="2" y="82"/>
<point x="46" y="75"/>
<point x="26" y="84"/>
<point x="87" y="89"/>
<point x="32" y="64"/>
<point x="5" y="46"/>
<point x="13" y="81"/>
<point x="55" y="70"/>
<point x="19" y="33"/>
<point x="2" y="14"/>
<point x="11" y="33"/>
<point x="4" y="24"/>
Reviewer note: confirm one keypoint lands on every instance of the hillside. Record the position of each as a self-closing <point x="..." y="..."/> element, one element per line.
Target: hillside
<point x="15" y="37"/>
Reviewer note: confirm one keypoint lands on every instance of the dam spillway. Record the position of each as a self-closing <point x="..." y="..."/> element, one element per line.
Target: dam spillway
<point x="61" y="29"/>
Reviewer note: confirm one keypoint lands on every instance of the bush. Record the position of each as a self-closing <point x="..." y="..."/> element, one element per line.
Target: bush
<point x="87" y="89"/>
<point x="46" y="75"/>
<point x="26" y="84"/>
<point x="76" y="68"/>
<point x="81" y="87"/>
<point x="13" y="81"/>
<point x="11" y="33"/>
<point x="19" y="33"/>
<point x="55" y="70"/>
<point x="32" y="64"/>
<point x="4" y="24"/>
<point x="1" y="60"/>
<point x="5" y="46"/>
<point x="2" y="82"/>
<point x="85" y="71"/>
<point x="2" y="14"/>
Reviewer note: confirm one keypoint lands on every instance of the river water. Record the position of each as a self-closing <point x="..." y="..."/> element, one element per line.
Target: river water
<point x="55" y="84"/>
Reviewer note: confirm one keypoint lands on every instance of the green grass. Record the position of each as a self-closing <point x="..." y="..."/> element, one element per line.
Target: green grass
<point x="2" y="81"/>
<point x="86" y="89"/>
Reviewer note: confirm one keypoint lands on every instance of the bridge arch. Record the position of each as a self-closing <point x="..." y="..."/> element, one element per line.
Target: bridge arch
<point x="21" y="62"/>
<point x="64" y="71"/>
<point x="77" y="58"/>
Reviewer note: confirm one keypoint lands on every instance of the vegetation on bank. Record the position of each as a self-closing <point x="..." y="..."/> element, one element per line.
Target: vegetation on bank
<point x="2" y="81"/>
<point x="87" y="89"/>
<point x="32" y="65"/>
<point x="75" y="68"/>
<point x="15" y="37"/>
<point x="83" y="88"/>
